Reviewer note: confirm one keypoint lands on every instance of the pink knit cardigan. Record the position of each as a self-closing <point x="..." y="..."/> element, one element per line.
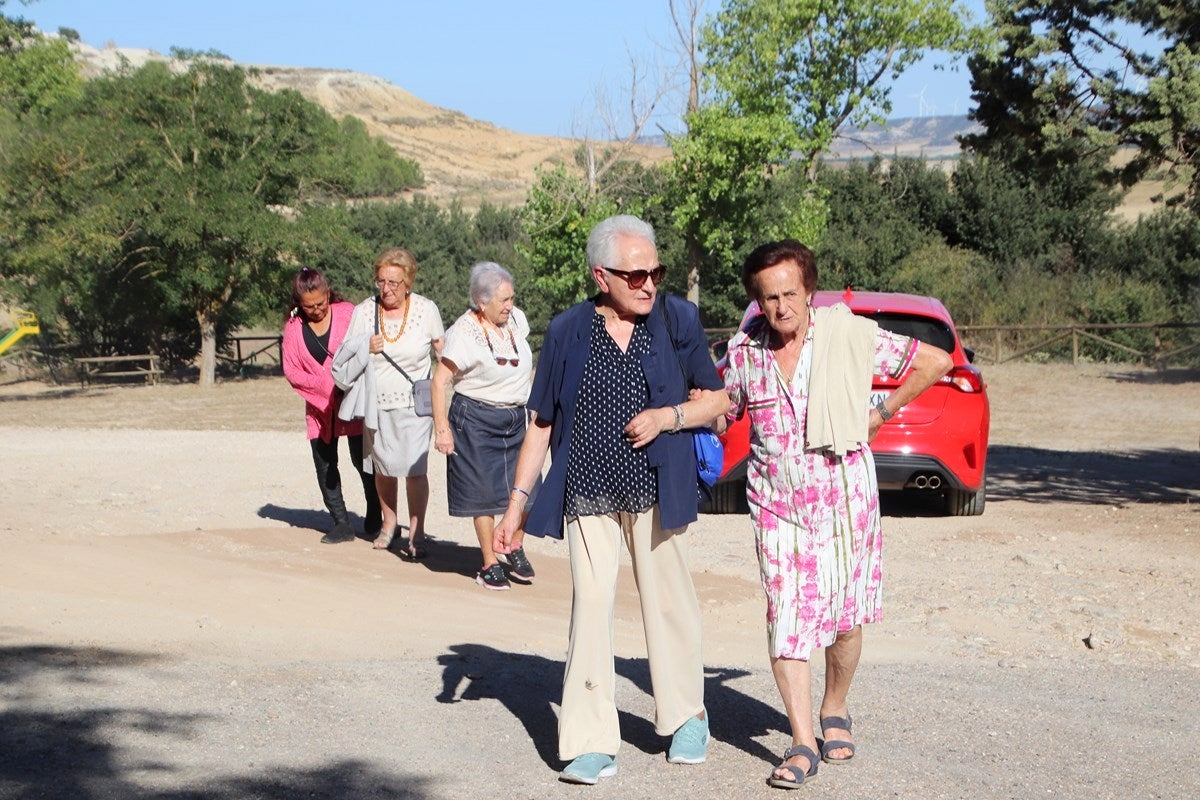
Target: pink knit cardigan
<point x="312" y="380"/>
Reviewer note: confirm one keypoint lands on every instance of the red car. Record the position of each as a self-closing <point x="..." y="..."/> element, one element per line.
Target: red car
<point x="937" y="443"/>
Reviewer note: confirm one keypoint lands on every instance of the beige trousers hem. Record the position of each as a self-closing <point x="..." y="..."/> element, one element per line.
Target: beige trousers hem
<point x="671" y="615"/>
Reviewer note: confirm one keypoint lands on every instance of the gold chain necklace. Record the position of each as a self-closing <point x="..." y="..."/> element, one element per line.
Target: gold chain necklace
<point x="403" y="323"/>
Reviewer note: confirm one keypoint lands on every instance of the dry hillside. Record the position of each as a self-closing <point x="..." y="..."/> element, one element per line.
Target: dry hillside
<point x="473" y="161"/>
<point x="462" y="158"/>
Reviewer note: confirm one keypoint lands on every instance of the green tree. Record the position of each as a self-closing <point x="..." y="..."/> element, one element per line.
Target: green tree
<point x="782" y="79"/>
<point x="35" y="72"/>
<point x="821" y="65"/>
<point x="874" y="223"/>
<point x="1059" y="219"/>
<point x="558" y="215"/>
<point x="187" y="191"/>
<point x="371" y="166"/>
<point x="1074" y="79"/>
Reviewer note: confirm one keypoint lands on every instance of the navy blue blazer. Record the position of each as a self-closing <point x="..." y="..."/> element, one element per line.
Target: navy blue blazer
<point x="556" y="387"/>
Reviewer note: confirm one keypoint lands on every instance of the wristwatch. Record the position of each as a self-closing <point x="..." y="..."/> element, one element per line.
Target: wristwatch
<point x="882" y="409"/>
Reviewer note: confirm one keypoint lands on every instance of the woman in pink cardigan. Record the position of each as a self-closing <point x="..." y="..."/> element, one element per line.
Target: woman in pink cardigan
<point x="315" y="327"/>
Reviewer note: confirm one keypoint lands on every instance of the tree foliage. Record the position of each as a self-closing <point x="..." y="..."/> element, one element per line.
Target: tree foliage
<point x="876" y="220"/>
<point x="1074" y="79"/>
<point x="558" y="215"/>
<point x="183" y="193"/>
<point x="782" y="79"/>
<point x="35" y="72"/>
<point x="823" y="66"/>
<point x="370" y="166"/>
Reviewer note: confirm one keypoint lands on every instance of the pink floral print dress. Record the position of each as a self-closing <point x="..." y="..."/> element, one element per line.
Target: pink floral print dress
<point x="815" y="516"/>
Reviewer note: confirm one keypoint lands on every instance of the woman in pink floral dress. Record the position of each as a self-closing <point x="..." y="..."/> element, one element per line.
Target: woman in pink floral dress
<point x="804" y="377"/>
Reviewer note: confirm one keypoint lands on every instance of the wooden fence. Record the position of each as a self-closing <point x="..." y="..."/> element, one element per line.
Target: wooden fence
<point x="243" y="350"/>
<point x="1152" y="343"/>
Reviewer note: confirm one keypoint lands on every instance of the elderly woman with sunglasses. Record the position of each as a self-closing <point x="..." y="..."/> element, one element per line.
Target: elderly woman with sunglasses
<point x="487" y="361"/>
<point x="620" y="381"/>
<point x="394" y="330"/>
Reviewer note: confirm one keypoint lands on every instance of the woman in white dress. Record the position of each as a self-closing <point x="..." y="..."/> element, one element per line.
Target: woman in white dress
<point x="407" y="328"/>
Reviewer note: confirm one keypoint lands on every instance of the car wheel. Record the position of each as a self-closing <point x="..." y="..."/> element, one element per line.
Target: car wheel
<point x="965" y="503"/>
<point x="728" y="497"/>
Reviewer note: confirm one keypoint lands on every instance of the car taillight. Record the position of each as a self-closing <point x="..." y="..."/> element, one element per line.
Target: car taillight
<point x="965" y="379"/>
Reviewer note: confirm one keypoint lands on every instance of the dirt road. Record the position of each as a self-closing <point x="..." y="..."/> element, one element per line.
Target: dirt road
<point x="170" y="626"/>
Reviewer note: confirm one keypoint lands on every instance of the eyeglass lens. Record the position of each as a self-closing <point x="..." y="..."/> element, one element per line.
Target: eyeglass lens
<point x="636" y="278"/>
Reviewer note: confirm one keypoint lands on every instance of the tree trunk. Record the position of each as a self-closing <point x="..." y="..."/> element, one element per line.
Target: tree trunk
<point x="591" y="170"/>
<point x="208" y="351"/>
<point x="693" y="266"/>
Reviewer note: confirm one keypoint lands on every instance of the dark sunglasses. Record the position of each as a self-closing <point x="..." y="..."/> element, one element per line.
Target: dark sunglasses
<point x="636" y="278"/>
<point x="503" y="360"/>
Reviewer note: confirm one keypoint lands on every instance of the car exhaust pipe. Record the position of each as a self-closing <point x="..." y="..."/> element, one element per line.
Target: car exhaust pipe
<point x="924" y="481"/>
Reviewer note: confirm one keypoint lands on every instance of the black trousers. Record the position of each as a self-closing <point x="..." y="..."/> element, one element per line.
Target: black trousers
<point x="329" y="480"/>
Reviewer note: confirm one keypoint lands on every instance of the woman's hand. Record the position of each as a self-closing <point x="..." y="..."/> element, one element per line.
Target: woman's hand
<point x="646" y="426"/>
<point x="443" y="440"/>
<point x="502" y="534"/>
<point x="874" y="423"/>
<point x="377" y="343"/>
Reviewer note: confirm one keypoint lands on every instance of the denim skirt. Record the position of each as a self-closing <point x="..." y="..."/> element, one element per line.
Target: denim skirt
<point x="480" y="474"/>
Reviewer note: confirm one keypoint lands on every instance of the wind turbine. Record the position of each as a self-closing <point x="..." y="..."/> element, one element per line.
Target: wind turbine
<point x="920" y="98"/>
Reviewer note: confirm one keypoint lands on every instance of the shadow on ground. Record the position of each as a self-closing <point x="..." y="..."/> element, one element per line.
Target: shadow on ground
<point x="53" y="754"/>
<point x="1038" y="475"/>
<point x="440" y="555"/>
<point x="1054" y="476"/>
<point x="1170" y="377"/>
<point x="529" y="686"/>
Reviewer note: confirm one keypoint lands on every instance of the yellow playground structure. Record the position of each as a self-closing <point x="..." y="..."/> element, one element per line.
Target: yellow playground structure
<point x="27" y="325"/>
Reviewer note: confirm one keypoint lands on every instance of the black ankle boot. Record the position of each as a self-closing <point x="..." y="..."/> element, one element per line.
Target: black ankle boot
<point x="330" y="483"/>
<point x="341" y="532"/>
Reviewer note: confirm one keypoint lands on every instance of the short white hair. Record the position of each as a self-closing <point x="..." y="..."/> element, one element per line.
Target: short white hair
<point x="602" y="241"/>
<point x="486" y="279"/>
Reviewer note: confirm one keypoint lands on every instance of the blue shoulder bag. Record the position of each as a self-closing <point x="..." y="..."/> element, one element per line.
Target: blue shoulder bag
<point x="710" y="453"/>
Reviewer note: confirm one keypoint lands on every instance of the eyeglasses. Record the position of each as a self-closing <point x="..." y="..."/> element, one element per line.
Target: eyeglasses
<point x="502" y="360"/>
<point x="315" y="306"/>
<point x="393" y="285"/>
<point x="636" y="278"/>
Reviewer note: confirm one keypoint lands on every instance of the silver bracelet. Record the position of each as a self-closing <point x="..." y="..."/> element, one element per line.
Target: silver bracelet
<point x="678" y="418"/>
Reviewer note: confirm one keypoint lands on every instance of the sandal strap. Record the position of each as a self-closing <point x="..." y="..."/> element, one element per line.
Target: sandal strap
<point x="836" y="722"/>
<point x="801" y="750"/>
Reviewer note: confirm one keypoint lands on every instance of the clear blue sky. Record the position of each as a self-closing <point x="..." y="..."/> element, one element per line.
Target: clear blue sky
<point x="533" y="66"/>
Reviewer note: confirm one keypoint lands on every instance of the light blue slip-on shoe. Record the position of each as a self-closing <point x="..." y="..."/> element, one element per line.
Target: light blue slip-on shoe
<point x="689" y="745"/>
<point x="589" y="768"/>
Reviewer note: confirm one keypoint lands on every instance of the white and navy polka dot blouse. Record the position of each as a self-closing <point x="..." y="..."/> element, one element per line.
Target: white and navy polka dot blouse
<point x="605" y="473"/>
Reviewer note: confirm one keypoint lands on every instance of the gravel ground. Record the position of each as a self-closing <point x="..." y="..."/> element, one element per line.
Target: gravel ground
<point x="170" y="627"/>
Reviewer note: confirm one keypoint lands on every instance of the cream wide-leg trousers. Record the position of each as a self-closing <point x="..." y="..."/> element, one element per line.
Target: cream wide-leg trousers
<point x="671" y="613"/>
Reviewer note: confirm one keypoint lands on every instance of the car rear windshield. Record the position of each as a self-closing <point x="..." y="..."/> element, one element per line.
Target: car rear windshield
<point x="930" y="331"/>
